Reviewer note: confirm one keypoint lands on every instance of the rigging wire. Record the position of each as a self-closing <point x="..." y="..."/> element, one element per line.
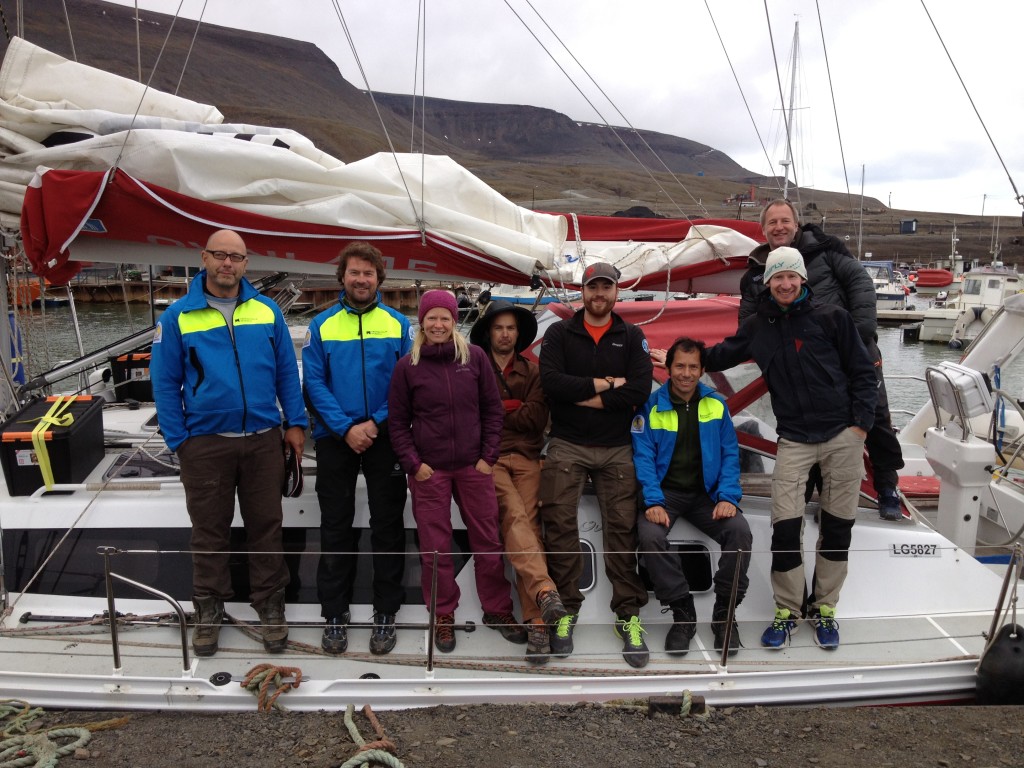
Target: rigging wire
<point x="743" y="95"/>
<point x="835" y="109"/>
<point x="416" y="81"/>
<point x="3" y="20"/>
<point x="612" y="103"/>
<point x="71" y="35"/>
<point x="1017" y="195"/>
<point x="138" y="37"/>
<point x="152" y="74"/>
<point x="419" y="216"/>
<point x="191" y="45"/>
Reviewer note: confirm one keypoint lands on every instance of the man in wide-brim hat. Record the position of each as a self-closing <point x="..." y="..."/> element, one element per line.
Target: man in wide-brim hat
<point x="504" y="331"/>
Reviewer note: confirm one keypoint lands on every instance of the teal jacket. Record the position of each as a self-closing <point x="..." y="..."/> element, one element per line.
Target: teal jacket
<point x="205" y="382"/>
<point x="654" y="438"/>
<point x="347" y="360"/>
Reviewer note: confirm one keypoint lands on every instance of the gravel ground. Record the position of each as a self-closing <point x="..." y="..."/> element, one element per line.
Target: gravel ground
<point x="587" y="734"/>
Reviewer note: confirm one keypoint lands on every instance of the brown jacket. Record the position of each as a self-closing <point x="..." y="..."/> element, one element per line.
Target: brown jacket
<point x="523" y="431"/>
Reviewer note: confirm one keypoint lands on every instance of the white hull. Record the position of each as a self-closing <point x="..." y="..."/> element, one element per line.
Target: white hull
<point x="891" y="300"/>
<point x="917" y="643"/>
<point x="937" y="325"/>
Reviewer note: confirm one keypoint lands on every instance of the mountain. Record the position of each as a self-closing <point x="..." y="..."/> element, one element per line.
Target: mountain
<point x="535" y="157"/>
<point x="261" y="79"/>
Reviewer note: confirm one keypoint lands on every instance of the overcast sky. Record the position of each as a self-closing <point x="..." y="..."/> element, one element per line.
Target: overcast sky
<point x="902" y="112"/>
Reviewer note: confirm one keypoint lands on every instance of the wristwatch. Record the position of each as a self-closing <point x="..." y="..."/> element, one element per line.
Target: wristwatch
<point x="611" y="381"/>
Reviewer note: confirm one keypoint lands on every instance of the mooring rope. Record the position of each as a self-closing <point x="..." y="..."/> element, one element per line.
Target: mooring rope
<point x="262" y="676"/>
<point x="20" y="749"/>
<point x="379" y="752"/>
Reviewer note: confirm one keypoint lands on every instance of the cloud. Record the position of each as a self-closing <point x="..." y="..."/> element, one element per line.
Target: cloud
<point x="902" y="111"/>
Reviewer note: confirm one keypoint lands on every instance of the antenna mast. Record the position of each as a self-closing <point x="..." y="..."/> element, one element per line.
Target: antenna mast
<point x="788" y="112"/>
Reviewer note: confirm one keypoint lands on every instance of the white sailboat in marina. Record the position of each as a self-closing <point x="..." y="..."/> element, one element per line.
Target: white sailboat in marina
<point x="95" y="565"/>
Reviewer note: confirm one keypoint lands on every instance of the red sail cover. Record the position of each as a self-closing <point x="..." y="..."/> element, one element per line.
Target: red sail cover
<point x="67" y="207"/>
<point x="652" y="230"/>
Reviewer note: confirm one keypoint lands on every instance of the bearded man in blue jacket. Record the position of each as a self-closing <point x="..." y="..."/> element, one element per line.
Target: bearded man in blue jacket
<point x="347" y="360"/>
<point x="688" y="465"/>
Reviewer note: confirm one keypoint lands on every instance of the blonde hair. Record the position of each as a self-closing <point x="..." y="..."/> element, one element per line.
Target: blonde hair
<point x="461" y="347"/>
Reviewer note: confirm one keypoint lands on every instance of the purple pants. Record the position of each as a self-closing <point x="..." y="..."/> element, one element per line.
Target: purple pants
<point x="431" y="506"/>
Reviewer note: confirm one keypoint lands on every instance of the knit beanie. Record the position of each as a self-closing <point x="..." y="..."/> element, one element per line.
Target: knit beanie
<point x="784" y="259"/>
<point x="437" y="298"/>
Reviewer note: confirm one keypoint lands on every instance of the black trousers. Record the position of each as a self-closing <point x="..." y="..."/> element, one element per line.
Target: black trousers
<point x="882" y="444"/>
<point x="337" y="470"/>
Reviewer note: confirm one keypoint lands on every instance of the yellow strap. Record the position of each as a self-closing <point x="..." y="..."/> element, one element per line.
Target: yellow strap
<point x="55" y="417"/>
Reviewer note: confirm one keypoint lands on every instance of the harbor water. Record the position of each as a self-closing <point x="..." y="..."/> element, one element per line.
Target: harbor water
<point x="50" y="338"/>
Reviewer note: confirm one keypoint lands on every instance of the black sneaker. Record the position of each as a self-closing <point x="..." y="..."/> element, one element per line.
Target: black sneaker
<point x="383" y="638"/>
<point x="335" y="637"/>
<point x="634" y="649"/>
<point x="684" y="627"/>
<point x="507" y="625"/>
<point x="561" y="635"/>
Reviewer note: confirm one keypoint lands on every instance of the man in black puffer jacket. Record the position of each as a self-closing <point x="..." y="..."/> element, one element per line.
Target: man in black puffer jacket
<point x="835" y="277"/>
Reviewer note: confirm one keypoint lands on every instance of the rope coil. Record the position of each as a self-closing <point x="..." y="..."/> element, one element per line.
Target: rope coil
<point x="262" y="676"/>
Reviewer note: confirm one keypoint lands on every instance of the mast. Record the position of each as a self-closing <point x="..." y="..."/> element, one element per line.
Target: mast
<point x="788" y="113"/>
<point x="860" y="224"/>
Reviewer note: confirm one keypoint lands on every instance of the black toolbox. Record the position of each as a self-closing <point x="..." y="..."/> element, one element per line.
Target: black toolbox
<point x="131" y="377"/>
<point x="74" y="445"/>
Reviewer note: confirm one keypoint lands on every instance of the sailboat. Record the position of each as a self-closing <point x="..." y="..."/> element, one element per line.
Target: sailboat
<point x="96" y="595"/>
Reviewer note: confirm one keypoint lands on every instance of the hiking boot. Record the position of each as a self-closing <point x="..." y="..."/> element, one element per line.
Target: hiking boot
<point x="538" y="646"/>
<point x="561" y="635"/>
<point x="335" y="637"/>
<point x="778" y="632"/>
<point x="209" y="614"/>
<point x="684" y="626"/>
<point x="634" y="649"/>
<point x="507" y="625"/>
<point x="383" y="638"/>
<point x="551" y="607"/>
<point x="444" y="632"/>
<point x="889" y="505"/>
<point x="273" y="626"/>
<point x="826" y="628"/>
<point x="719" y="623"/>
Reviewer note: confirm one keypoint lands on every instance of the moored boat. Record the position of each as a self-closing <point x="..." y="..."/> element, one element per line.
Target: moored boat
<point x="890" y="289"/>
<point x="960" y="318"/>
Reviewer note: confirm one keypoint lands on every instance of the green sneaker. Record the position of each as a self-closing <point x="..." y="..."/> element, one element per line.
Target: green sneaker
<point x="634" y="649"/>
<point x="561" y="635"/>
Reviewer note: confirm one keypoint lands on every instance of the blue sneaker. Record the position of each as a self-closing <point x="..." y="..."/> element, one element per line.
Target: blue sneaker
<point x="826" y="628"/>
<point x="889" y="505"/>
<point x="778" y="632"/>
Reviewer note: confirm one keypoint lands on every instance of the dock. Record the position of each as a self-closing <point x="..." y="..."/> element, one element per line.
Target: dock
<point x="314" y="293"/>
<point x="900" y="316"/>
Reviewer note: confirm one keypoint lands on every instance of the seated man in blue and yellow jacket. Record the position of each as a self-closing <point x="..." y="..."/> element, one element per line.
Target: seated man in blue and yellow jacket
<point x="687" y="464"/>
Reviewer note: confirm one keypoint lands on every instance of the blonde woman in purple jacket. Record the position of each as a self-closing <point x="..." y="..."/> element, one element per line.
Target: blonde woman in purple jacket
<point x="445" y="414"/>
